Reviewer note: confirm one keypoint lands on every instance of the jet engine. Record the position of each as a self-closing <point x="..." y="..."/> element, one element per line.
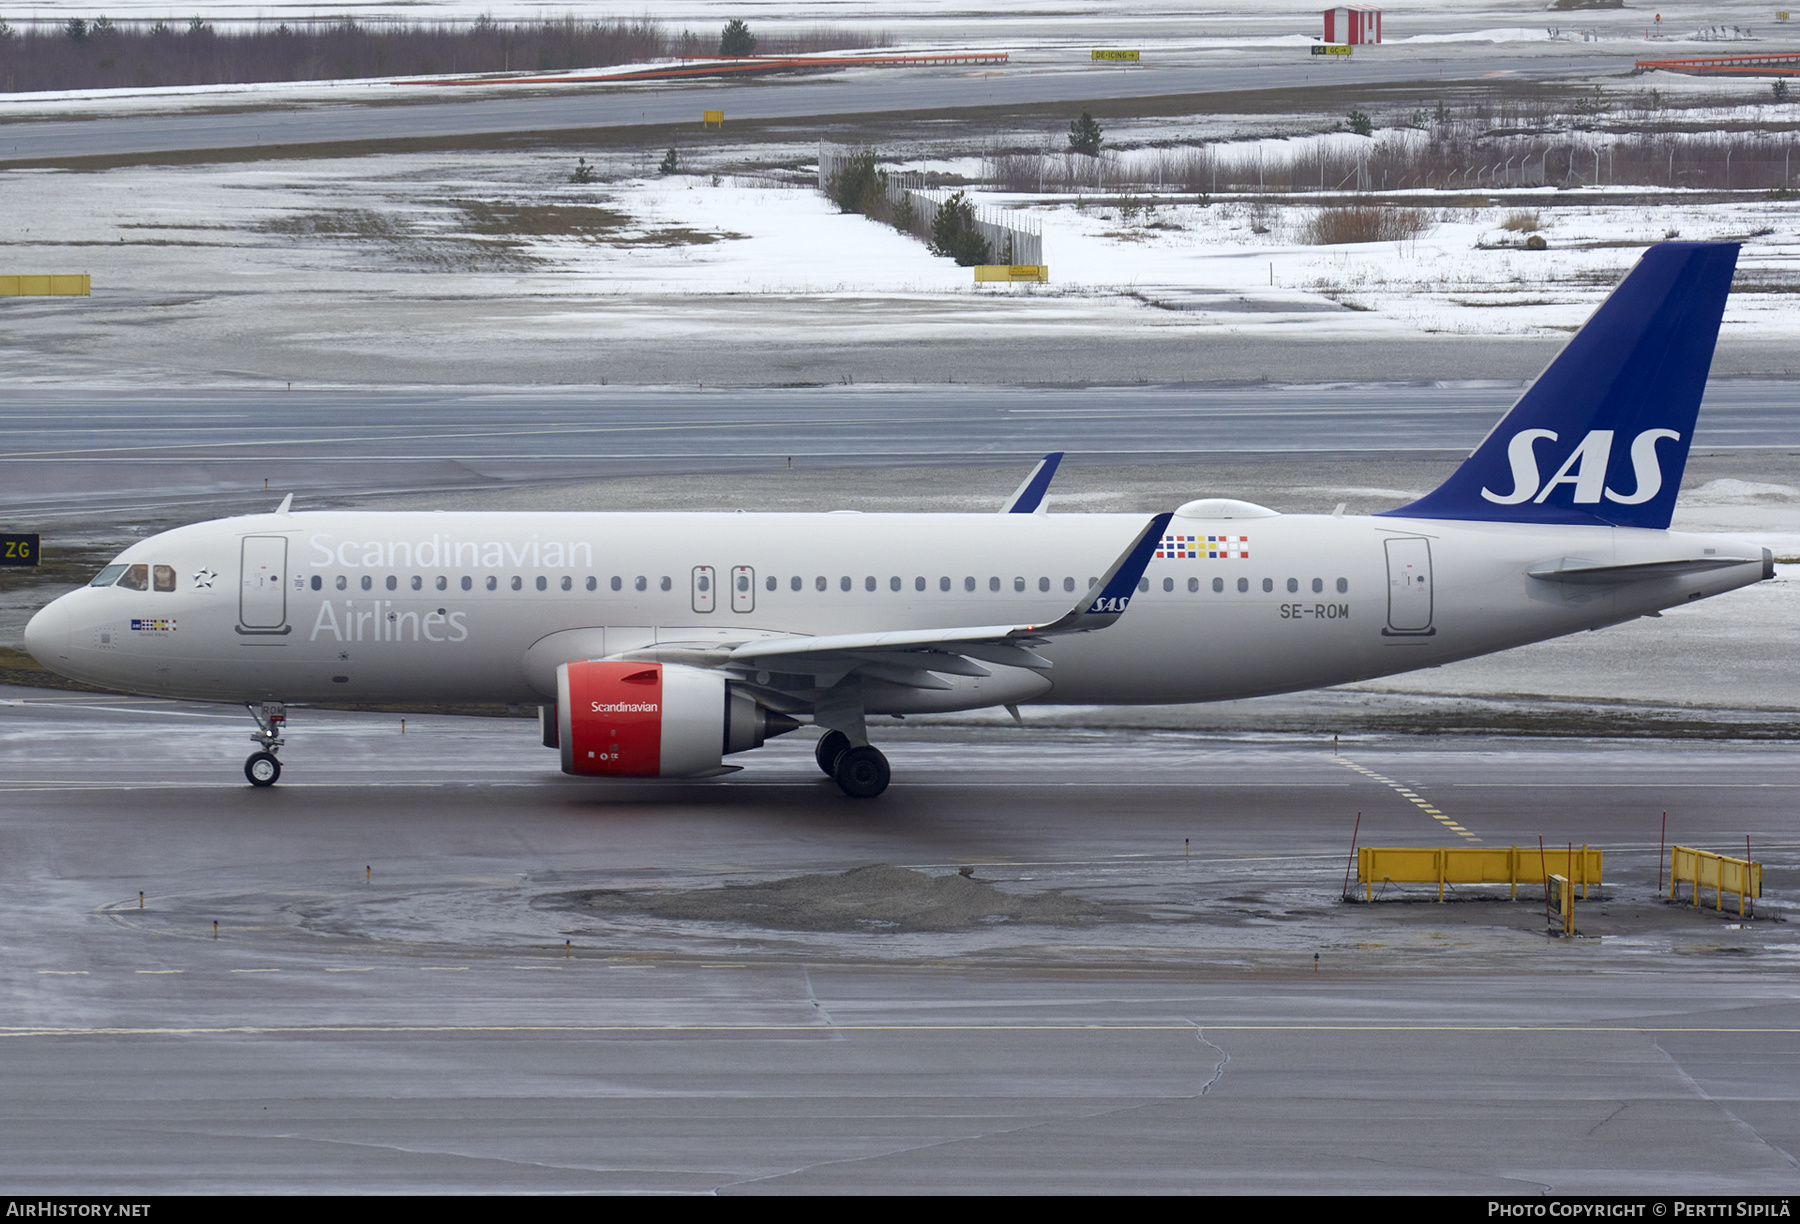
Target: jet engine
<point x="654" y="720"/>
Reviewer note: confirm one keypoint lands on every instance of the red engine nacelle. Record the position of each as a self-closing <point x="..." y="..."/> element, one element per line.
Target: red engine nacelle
<point x="654" y="720"/>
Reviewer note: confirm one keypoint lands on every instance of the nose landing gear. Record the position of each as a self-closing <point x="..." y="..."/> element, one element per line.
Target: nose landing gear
<point x="262" y="767"/>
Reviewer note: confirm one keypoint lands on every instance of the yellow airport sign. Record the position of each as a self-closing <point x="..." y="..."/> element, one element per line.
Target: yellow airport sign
<point x="708" y="118"/>
<point x="1013" y="273"/>
<point x="46" y="286"/>
<point x="1332" y="49"/>
<point x="1116" y="55"/>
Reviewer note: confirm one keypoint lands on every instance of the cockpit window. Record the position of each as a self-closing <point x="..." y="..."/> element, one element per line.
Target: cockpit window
<point x="136" y="578"/>
<point x="107" y="576"/>
<point x="163" y="576"/>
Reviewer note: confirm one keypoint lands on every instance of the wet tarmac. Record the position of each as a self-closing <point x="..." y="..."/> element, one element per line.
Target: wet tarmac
<point x="441" y="966"/>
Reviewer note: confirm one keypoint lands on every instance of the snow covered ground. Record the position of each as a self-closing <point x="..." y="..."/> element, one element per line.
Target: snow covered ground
<point x="1053" y="36"/>
<point x="253" y="240"/>
<point x="1402" y="19"/>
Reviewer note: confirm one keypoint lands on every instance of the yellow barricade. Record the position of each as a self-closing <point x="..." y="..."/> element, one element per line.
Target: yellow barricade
<point x="1443" y="865"/>
<point x="708" y="118"/>
<point x="46" y="286"/>
<point x="1116" y="55"/>
<point x="1717" y="872"/>
<point x="1039" y="273"/>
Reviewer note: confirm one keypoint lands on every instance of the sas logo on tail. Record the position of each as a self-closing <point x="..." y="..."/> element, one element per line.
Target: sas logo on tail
<point x="1584" y="469"/>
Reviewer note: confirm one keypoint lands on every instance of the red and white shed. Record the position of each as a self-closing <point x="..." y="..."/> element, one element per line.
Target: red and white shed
<point x="1353" y="23"/>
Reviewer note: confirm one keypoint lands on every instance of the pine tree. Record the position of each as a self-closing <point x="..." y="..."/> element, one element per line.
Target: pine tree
<point x="1084" y="135"/>
<point x="736" y="41"/>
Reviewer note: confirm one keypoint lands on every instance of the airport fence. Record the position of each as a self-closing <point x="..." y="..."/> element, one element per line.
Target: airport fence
<point x="910" y="203"/>
<point x="1456" y="160"/>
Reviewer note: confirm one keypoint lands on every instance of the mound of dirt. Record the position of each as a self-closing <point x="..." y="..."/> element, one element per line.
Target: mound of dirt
<point x="879" y="898"/>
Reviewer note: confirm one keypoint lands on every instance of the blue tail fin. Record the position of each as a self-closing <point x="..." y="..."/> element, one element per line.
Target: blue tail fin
<point x="1602" y="436"/>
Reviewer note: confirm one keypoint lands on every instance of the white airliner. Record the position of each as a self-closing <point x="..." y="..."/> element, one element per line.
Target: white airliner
<point x="658" y="644"/>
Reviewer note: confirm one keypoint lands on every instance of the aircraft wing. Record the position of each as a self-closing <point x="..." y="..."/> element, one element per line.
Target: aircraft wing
<point x="908" y="656"/>
<point x="1028" y="498"/>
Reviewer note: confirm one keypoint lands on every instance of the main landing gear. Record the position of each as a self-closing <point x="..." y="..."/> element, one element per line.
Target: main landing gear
<point x="861" y="773"/>
<point x="262" y="767"/>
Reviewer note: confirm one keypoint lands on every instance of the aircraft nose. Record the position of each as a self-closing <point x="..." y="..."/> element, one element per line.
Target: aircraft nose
<point x="47" y="633"/>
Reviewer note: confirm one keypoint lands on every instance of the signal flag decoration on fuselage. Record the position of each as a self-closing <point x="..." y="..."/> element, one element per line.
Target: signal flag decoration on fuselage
<point x="1204" y="548"/>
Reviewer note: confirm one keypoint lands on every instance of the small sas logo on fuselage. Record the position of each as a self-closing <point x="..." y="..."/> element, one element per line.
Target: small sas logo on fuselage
<point x="157" y="625"/>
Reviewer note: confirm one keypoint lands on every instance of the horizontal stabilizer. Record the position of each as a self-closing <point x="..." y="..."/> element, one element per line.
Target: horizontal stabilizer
<point x="1592" y="573"/>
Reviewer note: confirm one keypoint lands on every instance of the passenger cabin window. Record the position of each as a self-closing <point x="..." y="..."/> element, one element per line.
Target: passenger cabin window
<point x="163" y="577"/>
<point x="844" y="583"/>
<point x="771" y="582"/>
<point x="820" y="583"/>
<point x="1193" y="585"/>
<point x="1268" y="585"/>
<point x="568" y="583"/>
<point x="869" y="583"/>
<point x="919" y="583"/>
<point x="1218" y="585"/>
<point x="944" y="583"/>
<point x="542" y="582"/>
<point x="136" y="578"/>
<point x="443" y="583"/>
<point x="1069" y="584"/>
<point x="367" y="582"/>
<point x="641" y="584"/>
<point x="468" y="583"/>
<point x="593" y="583"/>
<point x="1043" y="584"/>
<point x="1168" y="584"/>
<point x="342" y="583"/>
<point x="418" y="582"/>
<point x="110" y="575"/>
<point x="993" y="584"/>
<point x="968" y="584"/>
<point x="1318" y="585"/>
<point x="317" y="582"/>
<point x="493" y="582"/>
<point x="1143" y="584"/>
<point x="1343" y="585"/>
<point x="667" y="582"/>
<point x="518" y="583"/>
<point x="393" y="582"/>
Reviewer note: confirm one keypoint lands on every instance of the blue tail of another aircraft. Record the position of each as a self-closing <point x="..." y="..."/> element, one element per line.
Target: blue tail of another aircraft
<point x="1602" y="436"/>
